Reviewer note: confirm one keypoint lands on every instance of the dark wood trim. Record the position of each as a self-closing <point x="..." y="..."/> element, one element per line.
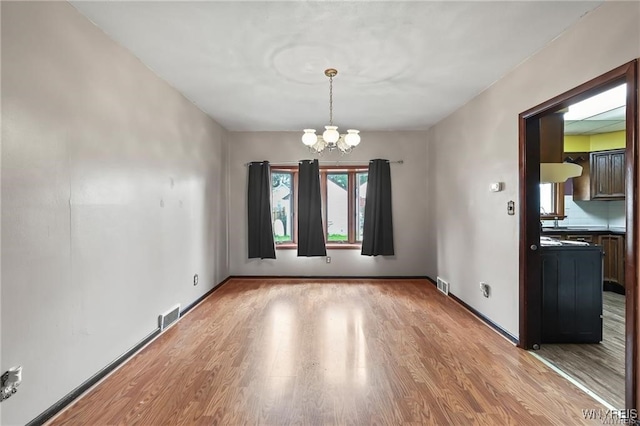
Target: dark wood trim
<point x="351" y="172"/>
<point x="204" y="296"/>
<point x="87" y="384"/>
<point x="330" y="246"/>
<point x="530" y="324"/>
<point x="484" y="319"/>
<point x="632" y="254"/>
<point x="586" y="90"/>
<point x="325" y="211"/>
<point x="293" y="170"/>
<point x="528" y="143"/>
<point x="351" y="206"/>
<point x="294" y="208"/>
<point x="286" y="246"/>
<point x="333" y="277"/>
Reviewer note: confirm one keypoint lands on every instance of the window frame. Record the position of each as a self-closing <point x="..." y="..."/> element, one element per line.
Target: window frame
<point x="557" y="202"/>
<point x="294" y="203"/>
<point x="352" y="172"/>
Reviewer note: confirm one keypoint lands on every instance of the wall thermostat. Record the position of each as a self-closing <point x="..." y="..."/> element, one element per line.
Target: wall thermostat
<point x="496" y="187"/>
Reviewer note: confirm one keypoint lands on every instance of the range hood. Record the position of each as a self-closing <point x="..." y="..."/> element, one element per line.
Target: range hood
<point x="558" y="172"/>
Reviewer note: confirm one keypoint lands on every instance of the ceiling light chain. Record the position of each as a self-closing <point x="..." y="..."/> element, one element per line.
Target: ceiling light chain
<point x="331" y="99"/>
<point x="330" y="138"/>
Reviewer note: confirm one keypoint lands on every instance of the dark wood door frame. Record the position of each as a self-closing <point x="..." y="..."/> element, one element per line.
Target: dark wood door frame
<point x="529" y="164"/>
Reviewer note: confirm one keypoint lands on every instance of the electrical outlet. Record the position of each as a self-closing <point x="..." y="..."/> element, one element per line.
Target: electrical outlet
<point x="484" y="287"/>
<point x="195" y="279"/>
<point x="328" y="259"/>
<point x="10" y="381"/>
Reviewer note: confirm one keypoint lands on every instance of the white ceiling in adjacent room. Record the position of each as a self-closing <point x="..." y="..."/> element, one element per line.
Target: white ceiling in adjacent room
<point x="602" y="113"/>
<point x="259" y="66"/>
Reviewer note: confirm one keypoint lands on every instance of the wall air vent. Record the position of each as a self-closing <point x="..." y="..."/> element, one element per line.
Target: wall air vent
<point x="443" y="286"/>
<point x="169" y="317"/>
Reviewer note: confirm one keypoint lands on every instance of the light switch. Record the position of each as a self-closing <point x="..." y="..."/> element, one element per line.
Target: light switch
<point x="496" y="187"/>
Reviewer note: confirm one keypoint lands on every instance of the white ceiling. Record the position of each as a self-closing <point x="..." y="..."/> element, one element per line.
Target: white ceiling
<point x="401" y="65"/>
<point x="608" y="121"/>
<point x="601" y="113"/>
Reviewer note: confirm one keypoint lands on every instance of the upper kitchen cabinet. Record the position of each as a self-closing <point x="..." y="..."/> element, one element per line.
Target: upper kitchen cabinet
<point x="607" y="168"/>
<point x="603" y="179"/>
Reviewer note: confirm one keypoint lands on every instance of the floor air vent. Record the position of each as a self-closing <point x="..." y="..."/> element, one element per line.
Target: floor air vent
<point x="169" y="317"/>
<point x="443" y="286"/>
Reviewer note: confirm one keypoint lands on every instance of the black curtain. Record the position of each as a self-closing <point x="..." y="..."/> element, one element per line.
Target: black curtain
<point x="310" y="232"/>
<point x="261" y="242"/>
<point x="377" y="233"/>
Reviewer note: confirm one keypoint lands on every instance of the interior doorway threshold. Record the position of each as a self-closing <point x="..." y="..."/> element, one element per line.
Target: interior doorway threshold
<point x="575" y="382"/>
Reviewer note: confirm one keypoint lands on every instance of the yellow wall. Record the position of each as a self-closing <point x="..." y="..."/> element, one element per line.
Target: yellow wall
<point x="600" y="142"/>
<point x="577" y="143"/>
<point x="611" y="140"/>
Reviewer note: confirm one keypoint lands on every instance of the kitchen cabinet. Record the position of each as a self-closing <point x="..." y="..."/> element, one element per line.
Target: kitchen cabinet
<point x="603" y="178"/>
<point x="579" y="237"/>
<point x="613" y="246"/>
<point x="607" y="172"/>
<point x="571" y="294"/>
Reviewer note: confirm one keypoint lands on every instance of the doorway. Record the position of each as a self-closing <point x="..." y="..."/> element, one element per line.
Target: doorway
<point x="530" y="230"/>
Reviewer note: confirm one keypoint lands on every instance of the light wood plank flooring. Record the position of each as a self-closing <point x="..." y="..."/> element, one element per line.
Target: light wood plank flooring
<point x="599" y="367"/>
<point x="358" y="352"/>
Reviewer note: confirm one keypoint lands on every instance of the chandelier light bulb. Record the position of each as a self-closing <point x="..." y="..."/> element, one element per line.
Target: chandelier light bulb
<point x="331" y="134"/>
<point x="352" y="138"/>
<point x="309" y="137"/>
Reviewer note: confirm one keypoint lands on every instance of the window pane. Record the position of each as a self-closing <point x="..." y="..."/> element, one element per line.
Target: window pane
<point x="337" y="207"/>
<point x="361" y="197"/>
<point x="282" y="206"/>
<point x="547" y="198"/>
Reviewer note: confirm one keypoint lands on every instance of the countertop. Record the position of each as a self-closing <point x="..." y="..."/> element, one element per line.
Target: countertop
<point x="586" y="230"/>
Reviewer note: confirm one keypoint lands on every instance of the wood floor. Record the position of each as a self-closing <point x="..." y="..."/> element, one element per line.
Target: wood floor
<point x="600" y="367"/>
<point x="357" y="352"/>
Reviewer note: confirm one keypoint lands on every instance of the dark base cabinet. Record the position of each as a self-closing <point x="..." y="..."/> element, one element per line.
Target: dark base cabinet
<point x="571" y="294"/>
<point x="613" y="287"/>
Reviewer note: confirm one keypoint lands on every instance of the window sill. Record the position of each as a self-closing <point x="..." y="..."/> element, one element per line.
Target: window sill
<point x="552" y="216"/>
<point x="330" y="246"/>
<point x="344" y="246"/>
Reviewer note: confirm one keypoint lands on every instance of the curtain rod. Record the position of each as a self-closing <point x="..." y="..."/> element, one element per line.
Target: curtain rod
<point x="327" y="162"/>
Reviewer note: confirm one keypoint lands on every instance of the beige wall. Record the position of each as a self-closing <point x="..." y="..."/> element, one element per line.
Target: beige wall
<point x="478" y="144"/>
<point x="113" y="197"/>
<point x="409" y="192"/>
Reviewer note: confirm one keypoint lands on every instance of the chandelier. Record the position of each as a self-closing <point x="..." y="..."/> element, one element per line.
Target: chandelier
<point x="330" y="138"/>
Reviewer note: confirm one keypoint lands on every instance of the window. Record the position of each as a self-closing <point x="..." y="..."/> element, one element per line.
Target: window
<point x="343" y="192"/>
<point x="361" y="196"/>
<point x="337" y="206"/>
<point x="551" y="200"/>
<point x="282" y="206"/>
